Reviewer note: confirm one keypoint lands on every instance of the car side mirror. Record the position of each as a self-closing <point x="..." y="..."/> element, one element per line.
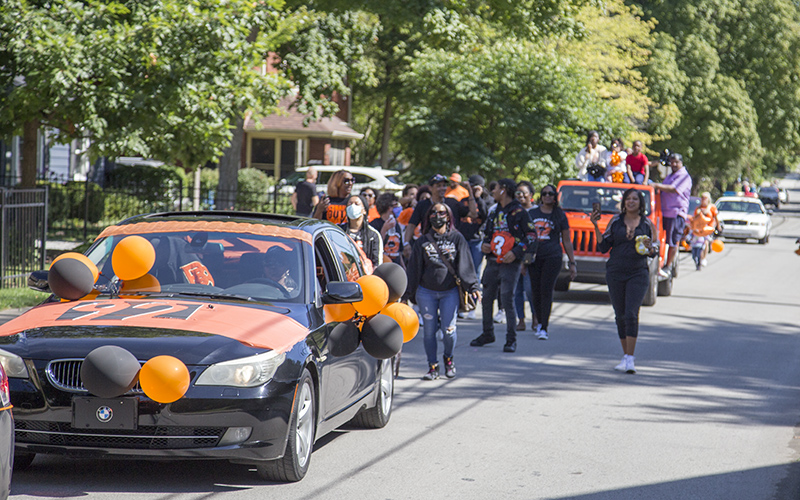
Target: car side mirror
<point x="37" y="280"/>
<point x="342" y="292"/>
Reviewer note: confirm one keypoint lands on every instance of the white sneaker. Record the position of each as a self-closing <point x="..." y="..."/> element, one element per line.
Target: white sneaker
<point x="500" y="317"/>
<point x="537" y="329"/>
<point x="471" y="314"/>
<point x="623" y="365"/>
<point x="462" y="315"/>
<point x="704" y="262"/>
<point x="542" y="334"/>
<point x="629" y="368"/>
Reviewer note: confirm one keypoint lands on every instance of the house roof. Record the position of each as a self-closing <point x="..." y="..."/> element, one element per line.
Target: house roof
<point x="290" y="122"/>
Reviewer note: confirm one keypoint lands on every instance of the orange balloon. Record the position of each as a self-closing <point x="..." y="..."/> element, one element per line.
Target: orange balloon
<point x="335" y="313"/>
<point x="717" y="246"/>
<point x="79" y="256"/>
<point x="376" y="294"/>
<point x="164" y="379"/>
<point x="133" y="257"/>
<point x="147" y="283"/>
<point x="405" y="317"/>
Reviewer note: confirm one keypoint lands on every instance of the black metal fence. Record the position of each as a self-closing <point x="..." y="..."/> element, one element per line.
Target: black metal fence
<point x="23" y="232"/>
<point x="80" y="210"/>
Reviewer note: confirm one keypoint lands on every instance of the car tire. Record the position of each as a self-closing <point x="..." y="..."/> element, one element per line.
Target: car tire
<point x="378" y="416"/>
<point x="302" y="428"/>
<point x="562" y="285"/>
<point x="23" y="459"/>
<point x="764" y="240"/>
<point x="652" y="289"/>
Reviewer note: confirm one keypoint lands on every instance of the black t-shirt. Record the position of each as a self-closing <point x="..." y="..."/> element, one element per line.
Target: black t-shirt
<point x="469" y="227"/>
<point x="337" y="211"/>
<point x="624" y="260"/>
<point x="548" y="229"/>
<point x="305" y="193"/>
<point x="423" y="206"/>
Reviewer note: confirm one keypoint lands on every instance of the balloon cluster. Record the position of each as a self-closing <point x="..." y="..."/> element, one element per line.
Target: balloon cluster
<point x="72" y="275"/>
<point x="378" y="321"/>
<point x="111" y="371"/>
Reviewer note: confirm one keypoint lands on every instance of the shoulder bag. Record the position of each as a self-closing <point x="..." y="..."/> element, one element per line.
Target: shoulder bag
<point x="466" y="302"/>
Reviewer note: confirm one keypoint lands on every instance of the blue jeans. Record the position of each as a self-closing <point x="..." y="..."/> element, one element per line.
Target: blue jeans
<point x="477" y="256"/>
<point x="438" y="310"/>
<point x="523" y="290"/>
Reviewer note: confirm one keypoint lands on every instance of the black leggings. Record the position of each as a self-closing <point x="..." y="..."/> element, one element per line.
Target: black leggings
<point x="543" y="274"/>
<point x="627" y="294"/>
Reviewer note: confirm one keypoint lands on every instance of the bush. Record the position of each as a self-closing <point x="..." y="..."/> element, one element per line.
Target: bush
<point x="253" y="192"/>
<point x="146" y="182"/>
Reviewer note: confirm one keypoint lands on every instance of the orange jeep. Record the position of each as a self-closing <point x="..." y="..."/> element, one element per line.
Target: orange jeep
<point x="576" y="198"/>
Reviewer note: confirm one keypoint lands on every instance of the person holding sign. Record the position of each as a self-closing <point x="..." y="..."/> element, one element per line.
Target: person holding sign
<point x="505" y="243"/>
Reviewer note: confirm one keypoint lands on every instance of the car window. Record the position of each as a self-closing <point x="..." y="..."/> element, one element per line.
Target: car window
<point x="362" y="179"/>
<point x="326" y="268"/>
<point x="580" y="198"/>
<point x="324" y="177"/>
<point x="259" y="266"/>
<point x="754" y="208"/>
<point x="740" y="206"/>
<point x="347" y="255"/>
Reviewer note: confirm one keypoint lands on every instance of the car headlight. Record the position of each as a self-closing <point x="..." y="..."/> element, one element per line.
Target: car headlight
<point x="244" y="372"/>
<point x="13" y="365"/>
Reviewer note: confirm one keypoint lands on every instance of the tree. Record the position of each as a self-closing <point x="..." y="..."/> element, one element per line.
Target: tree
<point x="504" y="110"/>
<point x="151" y="78"/>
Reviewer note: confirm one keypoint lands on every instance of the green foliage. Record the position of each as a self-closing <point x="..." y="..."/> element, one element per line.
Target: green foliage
<point x="254" y="187"/>
<point x="146" y="182"/>
<point x="18" y="298"/>
<point x="508" y="110"/>
<point x="68" y="201"/>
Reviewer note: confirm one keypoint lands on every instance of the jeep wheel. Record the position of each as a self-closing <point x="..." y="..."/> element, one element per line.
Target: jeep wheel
<point x="652" y="289"/>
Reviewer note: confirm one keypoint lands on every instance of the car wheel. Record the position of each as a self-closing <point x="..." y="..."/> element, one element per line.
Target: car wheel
<point x="764" y="240"/>
<point x="652" y="289"/>
<point x="302" y="426"/>
<point x="562" y="285"/>
<point x="23" y="459"/>
<point x="378" y="416"/>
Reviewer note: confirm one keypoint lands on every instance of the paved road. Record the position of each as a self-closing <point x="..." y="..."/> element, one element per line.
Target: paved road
<point x="713" y="412"/>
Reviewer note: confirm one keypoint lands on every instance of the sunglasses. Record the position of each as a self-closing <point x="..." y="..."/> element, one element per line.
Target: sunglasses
<point x="369" y="195"/>
<point x="548" y="193"/>
<point x="349" y="180"/>
<point x="439" y="212"/>
<point x="522" y="193"/>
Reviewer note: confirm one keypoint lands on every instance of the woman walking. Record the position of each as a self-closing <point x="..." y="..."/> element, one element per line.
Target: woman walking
<point x="440" y="259"/>
<point x="552" y="227"/>
<point x="365" y="236"/>
<point x="630" y="237"/>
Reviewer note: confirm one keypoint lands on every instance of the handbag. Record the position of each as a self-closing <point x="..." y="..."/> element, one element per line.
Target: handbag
<point x="466" y="302"/>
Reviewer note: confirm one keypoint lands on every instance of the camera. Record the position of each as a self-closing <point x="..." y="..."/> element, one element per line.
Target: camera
<point x="664" y="157"/>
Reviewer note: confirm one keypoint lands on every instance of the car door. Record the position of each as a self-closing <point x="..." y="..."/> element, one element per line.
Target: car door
<point x="344" y="379"/>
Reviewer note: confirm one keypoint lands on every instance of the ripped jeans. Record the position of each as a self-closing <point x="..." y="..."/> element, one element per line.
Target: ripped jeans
<point x="438" y="310"/>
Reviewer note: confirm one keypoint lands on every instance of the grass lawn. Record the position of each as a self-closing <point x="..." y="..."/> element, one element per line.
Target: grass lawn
<point x="20" y="297"/>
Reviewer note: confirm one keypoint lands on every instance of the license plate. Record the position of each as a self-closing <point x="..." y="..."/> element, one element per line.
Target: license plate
<point x="99" y="413"/>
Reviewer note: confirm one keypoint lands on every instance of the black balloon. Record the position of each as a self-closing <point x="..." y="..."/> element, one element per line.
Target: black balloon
<point x="382" y="337"/>
<point x="70" y="279"/>
<point x="109" y="371"/>
<point x="395" y="277"/>
<point x="343" y="339"/>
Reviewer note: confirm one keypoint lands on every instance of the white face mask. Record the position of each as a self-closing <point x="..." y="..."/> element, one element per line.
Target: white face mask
<point x="354" y="211"/>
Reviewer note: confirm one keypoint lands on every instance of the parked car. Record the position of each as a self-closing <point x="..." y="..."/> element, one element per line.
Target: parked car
<point x="576" y="199"/>
<point x="744" y="218"/>
<point x="6" y="436"/>
<point x="374" y="177"/>
<point x="264" y="384"/>
<point x="770" y="195"/>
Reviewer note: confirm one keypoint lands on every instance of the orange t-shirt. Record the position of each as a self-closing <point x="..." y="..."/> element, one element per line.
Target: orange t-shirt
<point x="703" y="224"/>
<point x="459" y="192"/>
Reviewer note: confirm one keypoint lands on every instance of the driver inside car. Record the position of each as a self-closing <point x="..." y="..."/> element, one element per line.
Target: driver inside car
<point x="278" y="267"/>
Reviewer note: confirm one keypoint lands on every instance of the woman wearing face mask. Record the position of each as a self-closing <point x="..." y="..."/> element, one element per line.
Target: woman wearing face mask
<point x="436" y="257"/>
<point x="362" y="233"/>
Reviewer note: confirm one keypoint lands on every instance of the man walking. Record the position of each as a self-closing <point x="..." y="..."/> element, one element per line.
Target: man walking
<point x="675" y="192"/>
<point x="504" y="244"/>
<point x="305" y="195"/>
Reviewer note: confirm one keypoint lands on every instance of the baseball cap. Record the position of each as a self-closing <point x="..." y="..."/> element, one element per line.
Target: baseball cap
<point x="455" y="177"/>
<point x="437" y="179"/>
<point x="477" y="180"/>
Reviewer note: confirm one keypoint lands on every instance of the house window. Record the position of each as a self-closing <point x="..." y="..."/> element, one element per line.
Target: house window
<point x="337" y="152"/>
<point x="288" y="157"/>
<point x="263" y="151"/>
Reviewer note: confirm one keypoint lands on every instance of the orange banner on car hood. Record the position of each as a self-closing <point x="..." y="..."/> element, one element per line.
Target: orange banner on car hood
<point x="252" y="326"/>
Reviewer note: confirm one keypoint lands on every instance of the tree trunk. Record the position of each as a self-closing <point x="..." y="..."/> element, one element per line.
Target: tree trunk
<point x="387" y="132"/>
<point x="229" y="169"/>
<point x="29" y="157"/>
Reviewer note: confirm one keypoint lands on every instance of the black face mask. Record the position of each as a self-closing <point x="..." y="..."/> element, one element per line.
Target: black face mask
<point x="438" y="222"/>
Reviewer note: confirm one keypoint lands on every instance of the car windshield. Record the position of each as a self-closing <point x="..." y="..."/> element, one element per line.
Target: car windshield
<point x="739" y="206"/>
<point x="580" y="198"/>
<point x="217" y="264"/>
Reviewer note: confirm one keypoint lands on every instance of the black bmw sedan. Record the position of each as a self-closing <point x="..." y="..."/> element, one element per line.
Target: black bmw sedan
<point x="239" y="299"/>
